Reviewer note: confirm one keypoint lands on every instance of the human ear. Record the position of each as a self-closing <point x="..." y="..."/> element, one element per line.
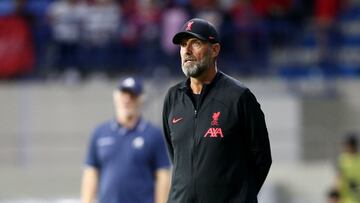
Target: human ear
<point x="215" y="50"/>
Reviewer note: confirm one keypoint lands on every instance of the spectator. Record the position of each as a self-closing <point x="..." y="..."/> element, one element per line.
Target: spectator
<point x="173" y="17"/>
<point x="349" y="170"/>
<point x="150" y="35"/>
<point x="327" y="32"/>
<point x="101" y="21"/>
<point x="249" y="39"/>
<point x="130" y="35"/>
<point x="16" y="43"/>
<point x="277" y="16"/>
<point x="65" y="22"/>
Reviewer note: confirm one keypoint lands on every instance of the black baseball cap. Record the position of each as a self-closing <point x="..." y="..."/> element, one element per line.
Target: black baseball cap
<point x="198" y="28"/>
<point x="131" y="84"/>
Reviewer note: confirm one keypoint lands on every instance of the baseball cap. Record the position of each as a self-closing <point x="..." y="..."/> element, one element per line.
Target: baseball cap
<point x="198" y="28"/>
<point x="131" y="84"/>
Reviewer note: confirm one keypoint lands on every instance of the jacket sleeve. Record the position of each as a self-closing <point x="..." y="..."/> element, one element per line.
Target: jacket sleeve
<point x="260" y="153"/>
<point x="166" y="129"/>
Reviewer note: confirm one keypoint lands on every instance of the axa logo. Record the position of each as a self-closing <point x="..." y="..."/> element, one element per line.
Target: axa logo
<point x="214" y="131"/>
<point x="189" y="25"/>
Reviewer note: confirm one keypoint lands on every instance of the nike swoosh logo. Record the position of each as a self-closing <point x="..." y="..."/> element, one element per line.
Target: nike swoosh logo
<point x="176" y="120"/>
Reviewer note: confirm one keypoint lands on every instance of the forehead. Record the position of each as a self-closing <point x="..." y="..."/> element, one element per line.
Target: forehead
<point x="127" y="92"/>
<point x="191" y="39"/>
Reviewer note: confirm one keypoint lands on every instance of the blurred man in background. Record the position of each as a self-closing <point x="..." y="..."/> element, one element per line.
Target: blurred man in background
<point x="127" y="160"/>
<point x="349" y="170"/>
<point x="214" y="127"/>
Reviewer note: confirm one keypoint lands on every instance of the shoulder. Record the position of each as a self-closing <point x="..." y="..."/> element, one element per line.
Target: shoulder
<point x="151" y="129"/>
<point x="230" y="86"/>
<point x="232" y="83"/>
<point x="173" y="93"/>
<point x="174" y="89"/>
<point x="102" y="127"/>
<point x="151" y="132"/>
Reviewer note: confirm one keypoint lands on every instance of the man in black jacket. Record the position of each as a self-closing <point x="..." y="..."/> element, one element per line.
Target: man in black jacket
<point x="214" y="127"/>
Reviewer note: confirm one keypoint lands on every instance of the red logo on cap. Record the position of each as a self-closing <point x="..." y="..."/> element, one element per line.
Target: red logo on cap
<point x="189" y="25"/>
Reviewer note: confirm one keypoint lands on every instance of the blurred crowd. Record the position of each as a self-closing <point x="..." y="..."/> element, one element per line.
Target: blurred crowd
<point x="42" y="38"/>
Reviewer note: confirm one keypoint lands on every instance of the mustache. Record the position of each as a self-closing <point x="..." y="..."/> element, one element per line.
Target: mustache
<point x="189" y="59"/>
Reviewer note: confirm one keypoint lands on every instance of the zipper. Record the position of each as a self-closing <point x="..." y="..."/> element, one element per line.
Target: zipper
<point x="192" y="196"/>
<point x="193" y="168"/>
<point x="195" y="198"/>
<point x="193" y="144"/>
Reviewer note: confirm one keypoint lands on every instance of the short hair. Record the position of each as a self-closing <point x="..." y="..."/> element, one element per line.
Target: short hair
<point x="351" y="139"/>
<point x="333" y="193"/>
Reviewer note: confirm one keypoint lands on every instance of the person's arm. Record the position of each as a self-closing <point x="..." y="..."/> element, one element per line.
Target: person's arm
<point x="166" y="129"/>
<point x="162" y="185"/>
<point x="89" y="184"/>
<point x="258" y="136"/>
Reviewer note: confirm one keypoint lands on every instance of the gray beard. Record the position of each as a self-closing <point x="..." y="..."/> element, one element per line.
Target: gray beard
<point x="196" y="69"/>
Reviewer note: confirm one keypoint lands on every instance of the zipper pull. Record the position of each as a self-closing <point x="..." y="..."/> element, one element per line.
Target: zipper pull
<point x="195" y="113"/>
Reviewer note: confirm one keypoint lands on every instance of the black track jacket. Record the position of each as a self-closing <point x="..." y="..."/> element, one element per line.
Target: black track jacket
<point x="220" y="148"/>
